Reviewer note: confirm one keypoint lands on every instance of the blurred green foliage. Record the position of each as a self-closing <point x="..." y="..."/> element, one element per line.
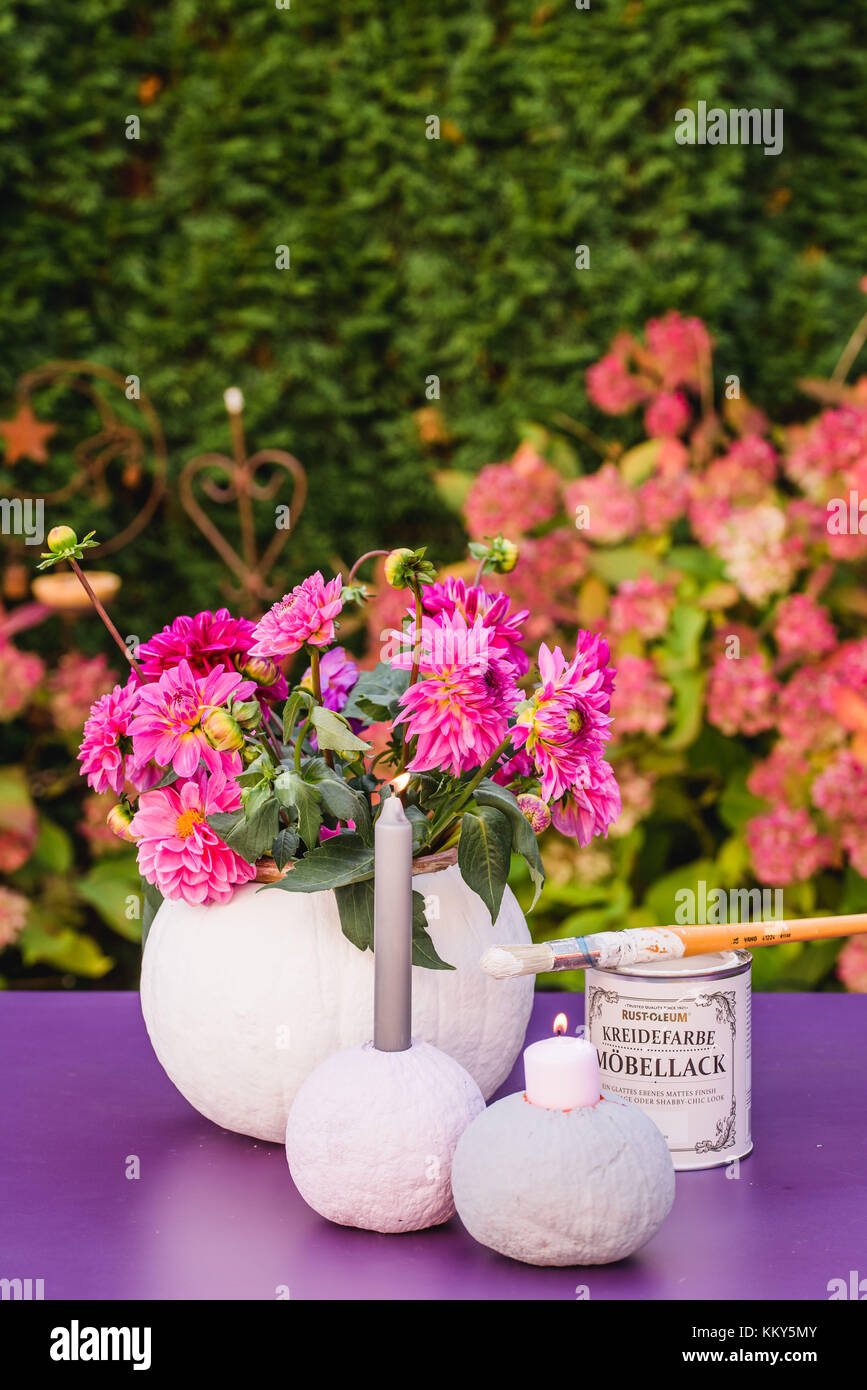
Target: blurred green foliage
<point x="305" y="127"/>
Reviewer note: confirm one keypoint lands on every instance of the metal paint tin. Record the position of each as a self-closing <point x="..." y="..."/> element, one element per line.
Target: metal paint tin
<point x="674" y="1037"/>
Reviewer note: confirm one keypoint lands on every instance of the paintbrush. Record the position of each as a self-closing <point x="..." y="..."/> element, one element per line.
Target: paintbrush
<point x="638" y="945"/>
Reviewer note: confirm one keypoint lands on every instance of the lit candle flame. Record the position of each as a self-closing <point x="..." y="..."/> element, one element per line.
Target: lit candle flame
<point x="561" y="1023"/>
<point x="401" y="783"/>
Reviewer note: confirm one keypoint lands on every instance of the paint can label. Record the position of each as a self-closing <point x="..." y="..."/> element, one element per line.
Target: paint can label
<point x="674" y="1038"/>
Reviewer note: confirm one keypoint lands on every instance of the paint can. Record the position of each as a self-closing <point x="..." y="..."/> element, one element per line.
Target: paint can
<point x="673" y="1037"/>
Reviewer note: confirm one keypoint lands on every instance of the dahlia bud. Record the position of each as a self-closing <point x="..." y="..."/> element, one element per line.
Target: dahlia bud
<point x="260" y="670"/>
<point x="498" y="555"/>
<point x="534" y="810"/>
<point x="248" y="713"/>
<point x="222" y="731"/>
<point x="405" y="568"/>
<point x="249" y="754"/>
<point x="60" y="538"/>
<point x="118" y="820"/>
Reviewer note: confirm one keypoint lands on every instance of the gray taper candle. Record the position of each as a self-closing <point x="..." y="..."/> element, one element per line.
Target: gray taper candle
<point x="392" y="929"/>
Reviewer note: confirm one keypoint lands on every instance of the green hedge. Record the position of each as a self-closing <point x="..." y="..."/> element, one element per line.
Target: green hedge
<point x="411" y="256"/>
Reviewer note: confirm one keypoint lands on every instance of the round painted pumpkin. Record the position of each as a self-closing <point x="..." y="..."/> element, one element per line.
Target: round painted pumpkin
<point x="585" y="1186"/>
<point x="242" y="1000"/>
<point x="371" y="1136"/>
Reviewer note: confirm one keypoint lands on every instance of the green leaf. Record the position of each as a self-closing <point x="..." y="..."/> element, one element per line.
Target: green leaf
<point x="524" y="840"/>
<point x="332" y="731"/>
<point x="424" y="952"/>
<point x="623" y="562"/>
<point x="293" y="791"/>
<point x="298" y="698"/>
<point x="738" y="805"/>
<point x="344" y="858"/>
<point x="355" y="905"/>
<point x="285" y="844"/>
<point x="421" y="827"/>
<point x="249" y="836"/>
<point x="108" y="887"/>
<point x="53" y="852"/>
<point x="64" y="949"/>
<point x="376" y="694"/>
<point x="153" y="901"/>
<point x="688" y="707"/>
<point x="484" y="853"/>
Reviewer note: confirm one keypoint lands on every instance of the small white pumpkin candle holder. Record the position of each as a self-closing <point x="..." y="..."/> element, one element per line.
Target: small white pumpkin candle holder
<point x="564" y="1175"/>
<point x="371" y="1136"/>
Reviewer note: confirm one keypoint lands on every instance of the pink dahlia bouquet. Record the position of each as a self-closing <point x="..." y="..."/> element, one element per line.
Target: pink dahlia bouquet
<point x="228" y="771"/>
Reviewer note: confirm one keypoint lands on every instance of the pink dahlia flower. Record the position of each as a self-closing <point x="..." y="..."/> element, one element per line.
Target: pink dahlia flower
<point x="208" y="642"/>
<point x="471" y="601"/>
<point x="107" y="754"/>
<point x="459" y="708"/>
<point x="590" y="806"/>
<point x="519" y="765"/>
<point x="564" y="725"/>
<point x="304" y="617"/>
<point x="178" y="851"/>
<point x="168" y="720"/>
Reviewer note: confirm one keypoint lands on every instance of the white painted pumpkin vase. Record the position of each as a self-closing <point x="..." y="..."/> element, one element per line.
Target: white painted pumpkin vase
<point x="243" y="1000"/>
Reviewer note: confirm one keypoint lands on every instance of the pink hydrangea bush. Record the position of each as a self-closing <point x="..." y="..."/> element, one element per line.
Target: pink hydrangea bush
<point x="724" y="557"/>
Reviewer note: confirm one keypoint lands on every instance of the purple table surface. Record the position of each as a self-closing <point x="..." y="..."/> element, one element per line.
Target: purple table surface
<point x="214" y="1215"/>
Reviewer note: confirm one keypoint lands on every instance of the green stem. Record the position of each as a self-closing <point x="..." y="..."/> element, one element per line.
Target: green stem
<point x="83" y="581"/>
<point x="416" y="662"/>
<point x="317" y="695"/>
<point x="452" y="811"/>
<point x="368" y="555"/>
<point x="300" y="737"/>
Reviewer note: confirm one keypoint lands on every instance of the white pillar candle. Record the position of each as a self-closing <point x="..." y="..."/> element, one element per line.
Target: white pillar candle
<point x="392" y="929"/>
<point x="561" y="1073"/>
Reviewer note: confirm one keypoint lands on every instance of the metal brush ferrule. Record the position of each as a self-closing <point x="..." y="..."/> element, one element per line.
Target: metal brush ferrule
<point x="573" y="953"/>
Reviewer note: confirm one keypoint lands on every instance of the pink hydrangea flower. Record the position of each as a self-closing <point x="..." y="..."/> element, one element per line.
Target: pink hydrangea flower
<point x="834" y="443"/>
<point x="852" y="963"/>
<point x="107" y="754"/>
<point x="472" y="601"/>
<point x="642" y="604"/>
<point x="610" y="384"/>
<point x="612" y="507"/>
<point x="20" y="674"/>
<point x="590" y="806"/>
<point x="304" y="617"/>
<point x="636" y="796"/>
<point x="760" y="557"/>
<point x="544" y="580"/>
<point x="73" y="687"/>
<point x="741" y="695"/>
<point x="178" y="851"/>
<point x="643" y="696"/>
<point x="512" y="498"/>
<point x="840" y="789"/>
<point x="667" y="414"/>
<point x="805" y="713"/>
<point x="564" y="724"/>
<point x="13" y="915"/>
<point x="167" y="726"/>
<point x="786" y="847"/>
<point x="207" y="641"/>
<point x="459" y="708"/>
<point x="803" y="628"/>
<point x="662" y="502"/>
<point x="680" y="347"/>
<point x="783" y="775"/>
